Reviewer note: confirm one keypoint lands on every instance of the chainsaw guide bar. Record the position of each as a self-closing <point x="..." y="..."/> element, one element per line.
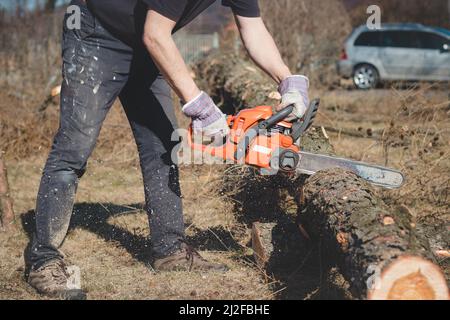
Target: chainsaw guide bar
<point x="311" y="163"/>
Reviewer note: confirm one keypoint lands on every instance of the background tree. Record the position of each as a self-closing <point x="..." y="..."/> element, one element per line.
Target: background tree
<point x="309" y="33"/>
<point x="50" y="5"/>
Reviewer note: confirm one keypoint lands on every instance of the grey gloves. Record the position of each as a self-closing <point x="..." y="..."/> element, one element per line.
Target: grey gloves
<point x="294" y="90"/>
<point x="206" y="116"/>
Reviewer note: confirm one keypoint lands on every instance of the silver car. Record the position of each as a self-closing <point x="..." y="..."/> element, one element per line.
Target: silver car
<point x="396" y="52"/>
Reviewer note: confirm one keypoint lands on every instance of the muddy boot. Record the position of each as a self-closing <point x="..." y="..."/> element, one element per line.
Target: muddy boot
<point x="187" y="259"/>
<point x="52" y="280"/>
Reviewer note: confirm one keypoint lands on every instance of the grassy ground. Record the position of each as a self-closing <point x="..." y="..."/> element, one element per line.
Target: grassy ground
<point x="108" y="238"/>
<point x="109" y="241"/>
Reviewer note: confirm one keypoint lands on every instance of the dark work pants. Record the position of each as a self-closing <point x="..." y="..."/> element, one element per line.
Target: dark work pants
<point x="98" y="68"/>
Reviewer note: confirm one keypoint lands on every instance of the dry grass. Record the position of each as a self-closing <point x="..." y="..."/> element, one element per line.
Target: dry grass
<point x="109" y="239"/>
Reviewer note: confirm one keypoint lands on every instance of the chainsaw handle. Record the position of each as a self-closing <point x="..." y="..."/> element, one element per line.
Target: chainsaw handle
<point x="276" y="118"/>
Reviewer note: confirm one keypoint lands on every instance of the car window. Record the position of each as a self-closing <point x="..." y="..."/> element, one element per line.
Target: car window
<point x="369" y="39"/>
<point x="401" y="39"/>
<point x="432" y="41"/>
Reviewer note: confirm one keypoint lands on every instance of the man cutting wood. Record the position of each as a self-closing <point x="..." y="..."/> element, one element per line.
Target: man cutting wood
<point x="124" y="49"/>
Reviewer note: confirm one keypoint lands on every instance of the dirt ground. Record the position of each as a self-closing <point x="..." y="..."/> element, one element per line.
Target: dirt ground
<point x="109" y="237"/>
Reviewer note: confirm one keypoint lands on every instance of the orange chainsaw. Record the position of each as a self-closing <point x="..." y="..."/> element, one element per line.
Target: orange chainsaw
<point x="265" y="140"/>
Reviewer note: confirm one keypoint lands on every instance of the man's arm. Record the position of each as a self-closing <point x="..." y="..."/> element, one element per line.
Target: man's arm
<point x="264" y="52"/>
<point x="159" y="42"/>
<point x="206" y="116"/>
<point x="262" y="48"/>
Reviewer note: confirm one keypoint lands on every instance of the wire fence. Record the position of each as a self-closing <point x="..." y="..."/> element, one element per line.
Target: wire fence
<point x="196" y="46"/>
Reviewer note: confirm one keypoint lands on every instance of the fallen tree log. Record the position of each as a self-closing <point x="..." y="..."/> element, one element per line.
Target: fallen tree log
<point x="235" y="82"/>
<point x="379" y="250"/>
<point x="6" y="204"/>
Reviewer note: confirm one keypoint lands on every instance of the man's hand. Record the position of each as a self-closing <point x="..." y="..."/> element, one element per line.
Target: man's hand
<point x="294" y="91"/>
<point x="207" y="118"/>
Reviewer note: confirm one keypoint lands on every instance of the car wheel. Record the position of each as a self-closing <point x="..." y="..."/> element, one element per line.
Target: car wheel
<point x="365" y="77"/>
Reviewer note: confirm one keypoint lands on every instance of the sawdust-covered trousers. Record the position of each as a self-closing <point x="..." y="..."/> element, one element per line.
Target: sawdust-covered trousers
<point x="98" y="68"/>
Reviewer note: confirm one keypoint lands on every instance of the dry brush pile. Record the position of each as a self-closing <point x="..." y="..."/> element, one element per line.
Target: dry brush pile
<point x="419" y="128"/>
<point x="407" y="129"/>
<point x="30" y="60"/>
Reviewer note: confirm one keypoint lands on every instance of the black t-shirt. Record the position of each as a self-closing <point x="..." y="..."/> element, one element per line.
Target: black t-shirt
<point x="125" y="18"/>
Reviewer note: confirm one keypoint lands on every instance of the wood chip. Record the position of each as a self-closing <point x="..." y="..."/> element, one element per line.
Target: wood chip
<point x="442" y="253"/>
<point x="275" y="95"/>
<point x="56" y="91"/>
<point x="325" y="133"/>
<point x="387" y="221"/>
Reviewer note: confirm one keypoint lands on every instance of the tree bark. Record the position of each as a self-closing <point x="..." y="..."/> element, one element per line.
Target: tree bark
<point x="262" y="243"/>
<point x="7" y="218"/>
<point x="380" y="251"/>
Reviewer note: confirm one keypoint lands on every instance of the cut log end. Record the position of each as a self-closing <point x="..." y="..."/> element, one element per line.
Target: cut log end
<point x="410" y="278"/>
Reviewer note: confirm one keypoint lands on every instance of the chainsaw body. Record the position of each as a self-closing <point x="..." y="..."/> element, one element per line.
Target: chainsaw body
<point x="259" y="138"/>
